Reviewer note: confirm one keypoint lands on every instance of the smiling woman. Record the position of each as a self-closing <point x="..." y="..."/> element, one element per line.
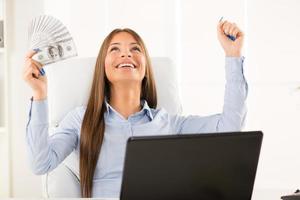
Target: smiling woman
<point x="124" y="87"/>
<point x="122" y="103"/>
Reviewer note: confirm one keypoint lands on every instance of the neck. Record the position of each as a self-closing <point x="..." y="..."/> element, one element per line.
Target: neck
<point x="125" y="100"/>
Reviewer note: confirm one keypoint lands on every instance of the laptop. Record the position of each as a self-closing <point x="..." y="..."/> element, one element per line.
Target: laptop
<point x="214" y="166"/>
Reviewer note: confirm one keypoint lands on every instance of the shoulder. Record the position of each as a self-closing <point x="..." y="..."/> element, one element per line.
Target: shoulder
<point x="74" y="116"/>
<point x="159" y="112"/>
<point x="80" y="110"/>
<point x="163" y="114"/>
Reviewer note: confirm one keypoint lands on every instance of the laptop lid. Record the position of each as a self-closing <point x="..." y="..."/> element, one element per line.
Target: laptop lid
<point x="196" y="166"/>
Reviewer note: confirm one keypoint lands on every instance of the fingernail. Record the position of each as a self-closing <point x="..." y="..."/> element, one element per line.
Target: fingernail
<point x="221" y="19"/>
<point x="42" y="71"/>
<point x="36" y="50"/>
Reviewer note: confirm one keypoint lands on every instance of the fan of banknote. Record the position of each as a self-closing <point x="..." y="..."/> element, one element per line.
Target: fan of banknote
<point x="51" y="39"/>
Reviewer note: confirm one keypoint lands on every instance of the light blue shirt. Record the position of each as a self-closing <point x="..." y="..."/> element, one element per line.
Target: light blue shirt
<point x="47" y="152"/>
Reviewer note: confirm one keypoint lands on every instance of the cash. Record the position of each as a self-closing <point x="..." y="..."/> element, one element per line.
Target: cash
<point x="51" y="39"/>
<point x="56" y="52"/>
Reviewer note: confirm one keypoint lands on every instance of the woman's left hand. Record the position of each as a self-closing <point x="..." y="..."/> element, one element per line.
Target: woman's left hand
<point x="231" y="48"/>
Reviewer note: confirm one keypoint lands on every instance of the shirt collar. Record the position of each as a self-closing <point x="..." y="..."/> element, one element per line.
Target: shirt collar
<point x="145" y="109"/>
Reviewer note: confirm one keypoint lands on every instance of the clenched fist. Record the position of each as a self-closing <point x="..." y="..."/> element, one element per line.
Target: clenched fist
<point x="231" y="48"/>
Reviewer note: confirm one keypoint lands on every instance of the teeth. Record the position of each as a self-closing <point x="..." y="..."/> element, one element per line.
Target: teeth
<point x="126" y="65"/>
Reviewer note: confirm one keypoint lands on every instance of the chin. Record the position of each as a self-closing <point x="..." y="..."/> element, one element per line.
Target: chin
<point x="128" y="81"/>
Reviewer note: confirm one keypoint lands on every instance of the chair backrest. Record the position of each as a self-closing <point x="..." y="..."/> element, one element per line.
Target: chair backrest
<point x="69" y="84"/>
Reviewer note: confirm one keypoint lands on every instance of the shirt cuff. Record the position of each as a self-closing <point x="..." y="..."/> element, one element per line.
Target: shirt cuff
<point x="39" y="112"/>
<point x="234" y="68"/>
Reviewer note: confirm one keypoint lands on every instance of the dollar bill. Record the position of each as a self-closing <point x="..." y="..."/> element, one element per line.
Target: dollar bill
<point x="56" y="52"/>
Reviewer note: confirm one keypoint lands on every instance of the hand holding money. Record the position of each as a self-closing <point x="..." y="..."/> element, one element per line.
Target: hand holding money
<point x="32" y="75"/>
<point x="49" y="42"/>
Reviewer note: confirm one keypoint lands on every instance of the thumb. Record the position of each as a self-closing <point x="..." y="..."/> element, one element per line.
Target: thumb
<point x="220" y="30"/>
<point x="30" y="53"/>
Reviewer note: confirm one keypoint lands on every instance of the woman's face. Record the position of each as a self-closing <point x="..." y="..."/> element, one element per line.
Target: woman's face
<point x="125" y="60"/>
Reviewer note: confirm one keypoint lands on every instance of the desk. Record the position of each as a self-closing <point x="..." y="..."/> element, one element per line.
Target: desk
<point x="258" y="194"/>
<point x="270" y="194"/>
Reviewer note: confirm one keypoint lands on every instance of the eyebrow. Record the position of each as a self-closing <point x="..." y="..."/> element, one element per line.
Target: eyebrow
<point x="117" y="43"/>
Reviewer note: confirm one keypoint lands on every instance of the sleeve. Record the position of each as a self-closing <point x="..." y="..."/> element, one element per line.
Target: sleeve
<point x="46" y="152"/>
<point x="234" y="109"/>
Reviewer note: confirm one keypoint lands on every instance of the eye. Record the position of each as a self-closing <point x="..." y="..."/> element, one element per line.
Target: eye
<point x="136" y="49"/>
<point x="114" y="49"/>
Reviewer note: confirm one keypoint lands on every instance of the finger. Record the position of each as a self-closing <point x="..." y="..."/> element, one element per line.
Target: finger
<point x="31" y="73"/>
<point x="27" y="65"/>
<point x="235" y="31"/>
<point x="30" y="53"/>
<point x="39" y="67"/>
<point x="231" y="29"/>
<point x="226" y="27"/>
<point x="240" y="33"/>
<point x="38" y="64"/>
<point x="34" y="71"/>
<point x="43" y="78"/>
<point x="30" y="61"/>
<point x="32" y="65"/>
<point x="27" y="74"/>
<point x="220" y="28"/>
<point x="221" y="25"/>
<point x="239" y="36"/>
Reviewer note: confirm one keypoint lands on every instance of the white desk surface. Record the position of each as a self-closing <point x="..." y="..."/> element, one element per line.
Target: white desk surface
<point x="259" y="194"/>
<point x="270" y="194"/>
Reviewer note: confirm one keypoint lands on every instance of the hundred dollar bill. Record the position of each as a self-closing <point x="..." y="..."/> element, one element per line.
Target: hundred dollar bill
<point x="56" y="52"/>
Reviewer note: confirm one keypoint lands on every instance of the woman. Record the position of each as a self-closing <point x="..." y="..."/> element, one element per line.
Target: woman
<point x="122" y="103"/>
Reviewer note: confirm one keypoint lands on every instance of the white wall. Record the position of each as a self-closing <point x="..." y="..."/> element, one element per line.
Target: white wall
<point x="273" y="68"/>
<point x="185" y="31"/>
<point x="23" y="182"/>
<point x="90" y="21"/>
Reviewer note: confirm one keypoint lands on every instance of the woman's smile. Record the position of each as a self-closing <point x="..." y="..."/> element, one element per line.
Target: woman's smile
<point x="126" y="63"/>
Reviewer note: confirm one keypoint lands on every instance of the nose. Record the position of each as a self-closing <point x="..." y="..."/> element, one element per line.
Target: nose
<point x="126" y="53"/>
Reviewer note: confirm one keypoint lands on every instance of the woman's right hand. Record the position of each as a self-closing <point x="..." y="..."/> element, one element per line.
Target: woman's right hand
<point x="32" y="75"/>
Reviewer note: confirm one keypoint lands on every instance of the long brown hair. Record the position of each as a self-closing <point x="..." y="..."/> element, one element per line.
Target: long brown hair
<point x="93" y="125"/>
